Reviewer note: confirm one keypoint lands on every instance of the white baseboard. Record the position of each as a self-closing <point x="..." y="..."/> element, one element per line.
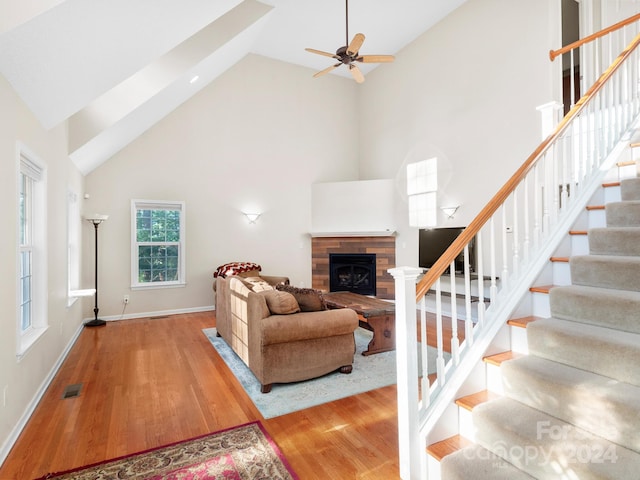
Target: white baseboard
<point x="17" y="430"/>
<point x="158" y="313"/>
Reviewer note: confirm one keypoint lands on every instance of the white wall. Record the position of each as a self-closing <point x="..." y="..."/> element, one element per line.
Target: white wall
<point x="256" y="139"/>
<point x="23" y="379"/>
<point x="466" y="91"/>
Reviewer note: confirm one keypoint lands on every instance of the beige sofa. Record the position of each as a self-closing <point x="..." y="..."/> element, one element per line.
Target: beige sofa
<point x="282" y="348"/>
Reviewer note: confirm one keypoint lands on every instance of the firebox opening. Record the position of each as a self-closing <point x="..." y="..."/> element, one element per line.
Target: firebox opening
<point x="352" y="272"/>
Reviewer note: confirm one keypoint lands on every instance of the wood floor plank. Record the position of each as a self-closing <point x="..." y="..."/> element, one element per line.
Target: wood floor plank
<point x="149" y="382"/>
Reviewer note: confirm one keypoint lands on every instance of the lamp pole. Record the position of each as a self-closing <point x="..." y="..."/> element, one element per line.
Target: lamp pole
<point x="96" y="322"/>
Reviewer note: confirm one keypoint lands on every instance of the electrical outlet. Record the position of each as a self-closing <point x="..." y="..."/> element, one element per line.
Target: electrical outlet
<point x="125" y="299"/>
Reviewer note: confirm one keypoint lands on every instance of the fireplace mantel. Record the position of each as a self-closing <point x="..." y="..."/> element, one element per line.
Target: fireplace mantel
<point x="383" y="233"/>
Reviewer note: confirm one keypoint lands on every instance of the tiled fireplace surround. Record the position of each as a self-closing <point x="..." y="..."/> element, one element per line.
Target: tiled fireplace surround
<point x="384" y="247"/>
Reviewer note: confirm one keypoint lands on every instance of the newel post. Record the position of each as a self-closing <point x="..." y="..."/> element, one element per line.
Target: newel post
<point x="411" y="457"/>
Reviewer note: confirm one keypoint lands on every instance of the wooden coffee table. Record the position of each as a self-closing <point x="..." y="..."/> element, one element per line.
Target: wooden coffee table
<point x="375" y="315"/>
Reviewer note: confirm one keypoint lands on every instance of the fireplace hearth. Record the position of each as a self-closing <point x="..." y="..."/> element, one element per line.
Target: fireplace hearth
<point x="352" y="272"/>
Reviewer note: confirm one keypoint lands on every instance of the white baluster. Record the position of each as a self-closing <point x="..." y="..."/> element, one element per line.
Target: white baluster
<point x="493" y="290"/>
<point x="468" y="322"/>
<point x="455" y="341"/>
<point x="515" y="234"/>
<point x="440" y="360"/>
<point x="505" y="267"/>
<point x="480" y="272"/>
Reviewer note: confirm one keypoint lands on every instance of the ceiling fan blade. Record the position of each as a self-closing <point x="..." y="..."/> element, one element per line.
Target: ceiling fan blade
<point x="355" y="44"/>
<point x="357" y="74"/>
<point x="320" y="52"/>
<point x="375" y="58"/>
<point x="326" y="70"/>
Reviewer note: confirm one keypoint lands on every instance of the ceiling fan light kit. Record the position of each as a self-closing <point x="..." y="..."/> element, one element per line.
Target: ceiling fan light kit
<point x="350" y="53"/>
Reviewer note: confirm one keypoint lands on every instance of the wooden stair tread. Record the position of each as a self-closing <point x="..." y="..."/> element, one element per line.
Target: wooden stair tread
<point x="522" y="322"/>
<point x="578" y="232"/>
<point x="627" y="163"/>
<point x="634" y="144"/>
<point x="468" y="402"/>
<point x="441" y="449"/>
<point x="541" y="288"/>
<point x="595" y="207"/>
<point x="497" y="358"/>
<point x="560" y="259"/>
<point x="611" y="184"/>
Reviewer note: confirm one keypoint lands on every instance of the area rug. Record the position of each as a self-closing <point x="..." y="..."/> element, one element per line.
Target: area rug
<point x="240" y="453"/>
<point x="369" y="373"/>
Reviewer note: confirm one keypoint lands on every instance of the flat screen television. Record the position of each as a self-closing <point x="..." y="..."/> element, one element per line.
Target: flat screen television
<point x="433" y="242"/>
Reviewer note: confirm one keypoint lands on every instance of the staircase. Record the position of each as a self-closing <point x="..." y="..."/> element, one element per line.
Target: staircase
<point x="570" y="408"/>
<point x="543" y="383"/>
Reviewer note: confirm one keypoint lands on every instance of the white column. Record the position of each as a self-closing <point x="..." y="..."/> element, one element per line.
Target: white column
<point x="411" y="458"/>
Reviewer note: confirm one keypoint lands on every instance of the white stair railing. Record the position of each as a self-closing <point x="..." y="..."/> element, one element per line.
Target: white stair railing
<point x="512" y="239"/>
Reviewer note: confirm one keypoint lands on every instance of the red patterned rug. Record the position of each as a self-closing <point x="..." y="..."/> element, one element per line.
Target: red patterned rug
<point x="239" y="453"/>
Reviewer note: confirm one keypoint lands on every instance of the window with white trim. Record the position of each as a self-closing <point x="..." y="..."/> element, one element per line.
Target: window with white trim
<point x="158" y="240"/>
<point x="32" y="267"/>
<point x="422" y="189"/>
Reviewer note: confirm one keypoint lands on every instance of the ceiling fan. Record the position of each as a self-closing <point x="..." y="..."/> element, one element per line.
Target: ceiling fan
<point x="349" y="54"/>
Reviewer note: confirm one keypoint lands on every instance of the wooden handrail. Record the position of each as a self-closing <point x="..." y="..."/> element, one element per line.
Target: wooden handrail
<point x="499" y="198"/>
<point x="554" y="53"/>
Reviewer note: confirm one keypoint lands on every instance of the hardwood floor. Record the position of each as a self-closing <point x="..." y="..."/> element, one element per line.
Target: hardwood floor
<point x="149" y="382"/>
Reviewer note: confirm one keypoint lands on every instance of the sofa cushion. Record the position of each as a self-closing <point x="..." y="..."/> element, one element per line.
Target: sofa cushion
<point x="308" y="325"/>
<point x="256" y="284"/>
<point x="280" y="303"/>
<point x="309" y="299"/>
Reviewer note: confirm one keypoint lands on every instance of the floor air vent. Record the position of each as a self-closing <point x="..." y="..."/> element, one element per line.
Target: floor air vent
<point x="72" y="391"/>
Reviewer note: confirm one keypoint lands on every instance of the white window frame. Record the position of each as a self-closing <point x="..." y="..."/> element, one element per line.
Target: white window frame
<point x="136" y="205"/>
<point x="35" y="173"/>
<point x="422" y="190"/>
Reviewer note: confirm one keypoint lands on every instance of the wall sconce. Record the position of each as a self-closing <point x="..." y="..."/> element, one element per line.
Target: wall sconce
<point x="252" y="217"/>
<point x="449" y="211"/>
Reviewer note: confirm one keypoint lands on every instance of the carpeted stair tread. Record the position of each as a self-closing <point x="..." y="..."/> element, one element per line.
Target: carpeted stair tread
<point x="623" y="214"/>
<point x="601" y="350"/>
<point x="606" y="271"/>
<point x="548" y="448"/>
<point x="477" y="463"/>
<point x="597" y="306"/>
<point x="630" y="189"/>
<point x="614" y="241"/>
<point x="598" y="404"/>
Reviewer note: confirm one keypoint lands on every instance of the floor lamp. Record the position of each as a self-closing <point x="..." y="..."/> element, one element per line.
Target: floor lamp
<point x="96" y="219"/>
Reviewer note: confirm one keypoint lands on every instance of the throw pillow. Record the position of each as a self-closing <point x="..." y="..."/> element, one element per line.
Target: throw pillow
<point x="280" y="303"/>
<point x="309" y="299"/>
<point x="234" y="268"/>
<point x="256" y="284"/>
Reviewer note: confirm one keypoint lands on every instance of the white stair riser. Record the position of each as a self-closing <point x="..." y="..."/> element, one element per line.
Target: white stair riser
<point x="561" y="273"/>
<point x="597" y="219"/>
<point x="541" y="306"/>
<point x="519" y="340"/>
<point x="465" y="420"/>
<point x="494" y="379"/>
<point x="579" y="245"/>
<point x="612" y="194"/>
<point x="433" y="468"/>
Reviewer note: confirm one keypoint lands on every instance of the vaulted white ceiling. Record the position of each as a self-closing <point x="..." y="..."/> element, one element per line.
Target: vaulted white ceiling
<point x="113" y="68"/>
